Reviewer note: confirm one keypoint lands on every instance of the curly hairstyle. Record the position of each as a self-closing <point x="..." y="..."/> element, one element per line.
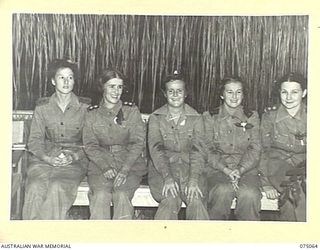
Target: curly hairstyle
<point x="173" y="77"/>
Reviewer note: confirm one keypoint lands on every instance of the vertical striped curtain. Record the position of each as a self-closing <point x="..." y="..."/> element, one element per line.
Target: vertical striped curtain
<point x="147" y="48"/>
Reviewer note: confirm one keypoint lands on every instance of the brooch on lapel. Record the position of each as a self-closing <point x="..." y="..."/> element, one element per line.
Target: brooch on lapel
<point x="244" y="125"/>
<point x="119" y="118"/>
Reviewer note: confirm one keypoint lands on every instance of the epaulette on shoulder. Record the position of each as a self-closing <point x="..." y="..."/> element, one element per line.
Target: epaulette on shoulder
<point x="92" y="107"/>
<point x="214" y="111"/>
<point x="42" y="101"/>
<point x="130" y="104"/>
<point x="271" y="108"/>
<point x="85" y="100"/>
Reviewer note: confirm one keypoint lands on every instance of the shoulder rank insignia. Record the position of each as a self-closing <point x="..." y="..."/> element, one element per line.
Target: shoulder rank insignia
<point x="42" y="101"/>
<point x="92" y="107"/>
<point x="270" y="108"/>
<point x="128" y="104"/>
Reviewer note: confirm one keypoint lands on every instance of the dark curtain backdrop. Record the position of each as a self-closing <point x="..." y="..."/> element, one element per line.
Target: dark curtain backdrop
<point x="147" y="48"/>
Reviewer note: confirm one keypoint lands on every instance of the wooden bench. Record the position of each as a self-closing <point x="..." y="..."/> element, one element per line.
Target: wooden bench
<point x="142" y="196"/>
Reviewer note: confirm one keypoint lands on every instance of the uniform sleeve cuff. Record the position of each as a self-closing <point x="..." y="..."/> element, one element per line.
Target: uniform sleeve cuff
<point x="75" y="156"/>
<point x="125" y="169"/>
<point x="194" y="177"/>
<point x="242" y="169"/>
<point x="166" y="175"/>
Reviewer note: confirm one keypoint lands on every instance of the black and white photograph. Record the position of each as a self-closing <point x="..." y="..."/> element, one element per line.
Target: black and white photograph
<point x="193" y="119"/>
<point x="159" y="117"/>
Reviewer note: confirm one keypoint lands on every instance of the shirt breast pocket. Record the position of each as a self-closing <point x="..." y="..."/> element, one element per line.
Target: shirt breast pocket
<point x="100" y="129"/>
<point x="168" y="137"/>
<point x="50" y="132"/>
<point x="282" y="138"/>
<point x="243" y="140"/>
<point x="220" y="136"/>
<point x="74" y="130"/>
<point x="186" y="137"/>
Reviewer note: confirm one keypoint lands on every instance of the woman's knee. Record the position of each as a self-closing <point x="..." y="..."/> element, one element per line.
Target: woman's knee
<point x="196" y="202"/>
<point x="55" y="186"/>
<point x="222" y="190"/>
<point x="100" y="194"/>
<point x="36" y="185"/>
<point x="171" y="201"/>
<point x="116" y="195"/>
<point x="249" y="193"/>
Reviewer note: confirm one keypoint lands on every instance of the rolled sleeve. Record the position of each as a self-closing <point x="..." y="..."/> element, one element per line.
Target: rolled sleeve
<point x="266" y="140"/>
<point x="251" y="156"/>
<point x="197" y="154"/>
<point x="79" y="154"/>
<point x="137" y="138"/>
<point x="214" y="159"/>
<point x="36" y="141"/>
<point x="156" y="147"/>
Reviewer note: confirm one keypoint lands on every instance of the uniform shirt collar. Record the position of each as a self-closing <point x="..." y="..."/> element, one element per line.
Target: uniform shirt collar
<point x="283" y="113"/>
<point x="74" y="101"/>
<point x="224" y="114"/>
<point x="114" y="110"/>
<point x="187" y="110"/>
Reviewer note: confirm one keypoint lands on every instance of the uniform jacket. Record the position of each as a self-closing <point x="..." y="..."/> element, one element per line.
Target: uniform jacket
<point x="283" y="137"/>
<point x="114" y="138"/>
<point x="53" y="130"/>
<point x="233" y="140"/>
<point x="171" y="143"/>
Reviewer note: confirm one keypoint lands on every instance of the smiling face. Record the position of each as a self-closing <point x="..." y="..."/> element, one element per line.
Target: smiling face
<point x="232" y="94"/>
<point x="112" y="91"/>
<point x="175" y="93"/>
<point x="63" y="80"/>
<point x="291" y="95"/>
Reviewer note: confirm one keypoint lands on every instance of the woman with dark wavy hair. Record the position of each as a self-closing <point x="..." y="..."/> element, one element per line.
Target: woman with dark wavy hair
<point x="57" y="163"/>
<point x="233" y="149"/>
<point x="284" y="140"/>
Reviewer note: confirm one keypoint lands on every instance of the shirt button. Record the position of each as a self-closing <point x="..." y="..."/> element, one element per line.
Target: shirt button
<point x="61" y="123"/>
<point x="62" y="135"/>
<point x="231" y="145"/>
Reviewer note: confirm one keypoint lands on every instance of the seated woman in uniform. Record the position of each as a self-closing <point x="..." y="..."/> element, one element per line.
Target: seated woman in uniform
<point x="174" y="138"/>
<point x="234" y="148"/>
<point x="114" y="139"/>
<point x="58" y="162"/>
<point x="284" y="139"/>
